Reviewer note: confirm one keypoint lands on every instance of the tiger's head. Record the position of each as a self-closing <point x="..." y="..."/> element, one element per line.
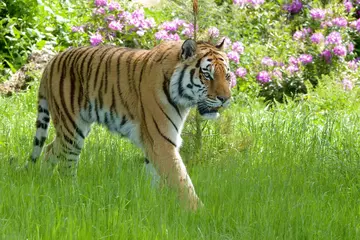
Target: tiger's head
<point x="202" y="78"/>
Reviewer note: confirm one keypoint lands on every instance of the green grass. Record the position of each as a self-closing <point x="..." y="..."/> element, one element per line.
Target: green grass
<point x="291" y="172"/>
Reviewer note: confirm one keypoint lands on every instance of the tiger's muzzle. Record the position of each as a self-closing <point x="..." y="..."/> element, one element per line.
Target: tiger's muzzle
<point x="208" y="108"/>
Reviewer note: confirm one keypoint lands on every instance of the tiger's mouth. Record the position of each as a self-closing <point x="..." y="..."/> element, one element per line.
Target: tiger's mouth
<point x="208" y="112"/>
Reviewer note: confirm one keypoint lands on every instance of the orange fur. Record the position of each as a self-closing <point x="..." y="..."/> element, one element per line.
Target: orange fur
<point x="144" y="95"/>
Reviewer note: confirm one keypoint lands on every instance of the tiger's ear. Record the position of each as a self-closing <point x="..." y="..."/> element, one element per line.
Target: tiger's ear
<point x="221" y="45"/>
<point x="188" y="50"/>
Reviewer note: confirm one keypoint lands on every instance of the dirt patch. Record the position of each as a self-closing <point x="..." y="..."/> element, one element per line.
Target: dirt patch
<point x="31" y="71"/>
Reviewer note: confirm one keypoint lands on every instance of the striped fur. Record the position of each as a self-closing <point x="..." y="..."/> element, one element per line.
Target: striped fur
<point x="144" y="95"/>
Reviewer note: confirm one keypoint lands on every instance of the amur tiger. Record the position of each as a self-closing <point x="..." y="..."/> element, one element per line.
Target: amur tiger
<point x="144" y="95"/>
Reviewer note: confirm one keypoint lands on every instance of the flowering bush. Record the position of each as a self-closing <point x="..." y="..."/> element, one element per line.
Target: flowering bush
<point x="175" y="30"/>
<point x="329" y="42"/>
<point x="320" y="42"/>
<point x="111" y="23"/>
<point x="274" y="47"/>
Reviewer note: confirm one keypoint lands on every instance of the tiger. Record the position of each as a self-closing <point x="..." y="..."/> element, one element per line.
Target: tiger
<point x="144" y="95"/>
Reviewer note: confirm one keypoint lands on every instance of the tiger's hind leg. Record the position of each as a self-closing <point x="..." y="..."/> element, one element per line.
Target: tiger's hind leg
<point x="65" y="150"/>
<point x="42" y="126"/>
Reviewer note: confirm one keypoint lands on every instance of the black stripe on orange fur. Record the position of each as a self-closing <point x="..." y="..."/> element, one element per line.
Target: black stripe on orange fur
<point x="167" y="94"/>
<point x="165" y="137"/>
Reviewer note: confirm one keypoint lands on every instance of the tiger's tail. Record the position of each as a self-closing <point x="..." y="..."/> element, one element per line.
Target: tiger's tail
<point x="42" y="123"/>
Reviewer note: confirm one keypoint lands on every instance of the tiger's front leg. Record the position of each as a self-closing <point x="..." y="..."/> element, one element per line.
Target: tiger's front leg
<point x="168" y="163"/>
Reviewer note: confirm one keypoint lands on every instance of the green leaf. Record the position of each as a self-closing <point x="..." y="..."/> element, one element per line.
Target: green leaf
<point x="40" y="44"/>
<point x="13" y="69"/>
<point x="49" y="10"/>
<point x="49" y="29"/>
<point x="15" y="32"/>
<point x="10" y="38"/>
<point x="2" y="5"/>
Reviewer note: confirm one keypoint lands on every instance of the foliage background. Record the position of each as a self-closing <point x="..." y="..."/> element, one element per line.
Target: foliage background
<point x="265" y="29"/>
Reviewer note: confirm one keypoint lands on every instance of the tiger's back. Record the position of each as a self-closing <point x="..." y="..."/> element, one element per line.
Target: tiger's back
<point x="102" y="84"/>
<point x="144" y="95"/>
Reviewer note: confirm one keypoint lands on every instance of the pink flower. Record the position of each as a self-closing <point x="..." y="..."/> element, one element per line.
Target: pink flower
<point x="240" y="3"/>
<point x="174" y="37"/>
<point x="238" y="47"/>
<point x="294" y="7"/>
<point x="350" y="47"/>
<point x="115" y="25"/>
<point x="340" y="22"/>
<point x="267" y="62"/>
<point x="348" y="5"/>
<point x="77" y="29"/>
<point x="292" y="69"/>
<point x="161" y="35"/>
<point x="99" y="11"/>
<point x="353" y="65"/>
<point x="213" y="32"/>
<point x="138" y="14"/>
<point x="307" y="31"/>
<point x="305" y="58"/>
<point x="179" y="22"/>
<point x="253" y="3"/>
<point x="298" y="35"/>
<point x="277" y="74"/>
<point x="234" y="56"/>
<point x="124" y="16"/>
<point x="326" y="24"/>
<point x="188" y="30"/>
<point x="96" y="39"/>
<point x="169" y="26"/>
<point x="317" y="13"/>
<point x="227" y="43"/>
<point x="241" y="72"/>
<point x="232" y="79"/>
<point x="114" y="6"/>
<point x="110" y="18"/>
<point x="355" y="25"/>
<point x="326" y="54"/>
<point x="333" y="38"/>
<point x="100" y="3"/>
<point x="149" y="23"/>
<point x="340" y="51"/>
<point x="293" y="61"/>
<point x="347" y="84"/>
<point x="317" y="38"/>
<point x="263" y="77"/>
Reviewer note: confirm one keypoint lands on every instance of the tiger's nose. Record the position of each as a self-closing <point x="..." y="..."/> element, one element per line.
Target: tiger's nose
<point x="222" y="98"/>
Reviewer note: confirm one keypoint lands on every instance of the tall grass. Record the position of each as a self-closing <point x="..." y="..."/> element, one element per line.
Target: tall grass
<point x="291" y="172"/>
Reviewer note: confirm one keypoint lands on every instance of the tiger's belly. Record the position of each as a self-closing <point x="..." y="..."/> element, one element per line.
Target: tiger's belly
<point x="127" y="129"/>
<point x="116" y="122"/>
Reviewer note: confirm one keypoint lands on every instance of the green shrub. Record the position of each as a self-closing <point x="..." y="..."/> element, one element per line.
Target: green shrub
<point x="29" y="24"/>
